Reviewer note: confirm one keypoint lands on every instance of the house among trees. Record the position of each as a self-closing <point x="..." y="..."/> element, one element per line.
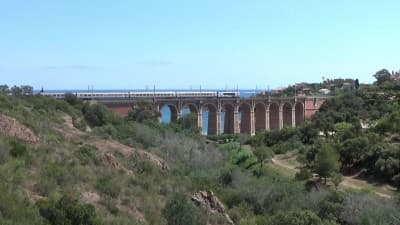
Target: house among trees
<point x="396" y="75"/>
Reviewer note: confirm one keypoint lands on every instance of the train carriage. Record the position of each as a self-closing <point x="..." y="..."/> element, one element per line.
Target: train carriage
<point x="146" y="94"/>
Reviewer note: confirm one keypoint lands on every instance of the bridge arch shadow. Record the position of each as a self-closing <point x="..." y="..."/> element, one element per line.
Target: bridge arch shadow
<point x="287" y="114"/>
<point x="273" y="116"/>
<point x="260" y="117"/>
<point x="211" y="113"/>
<point x="299" y="115"/>
<point x="245" y="118"/>
<point x="229" y="118"/>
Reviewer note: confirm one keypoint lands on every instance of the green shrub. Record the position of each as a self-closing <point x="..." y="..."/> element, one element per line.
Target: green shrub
<point x="242" y="156"/>
<point x="72" y="99"/>
<point x="110" y="204"/>
<point x="17" y="149"/>
<point x="67" y="211"/>
<point x="303" y="174"/>
<point x="99" y="115"/>
<point x="305" y="217"/>
<point x="16" y="208"/>
<point x="61" y="173"/>
<point x="107" y="185"/>
<point x="332" y="206"/>
<point x="179" y="211"/>
<point x="45" y="186"/>
<point x="225" y="177"/>
<point x="87" y="154"/>
<point x="273" y="137"/>
<point x="4" y="152"/>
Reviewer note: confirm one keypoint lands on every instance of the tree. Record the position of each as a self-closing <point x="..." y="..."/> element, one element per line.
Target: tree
<point x="356" y="84"/>
<point x="179" y="211"/>
<point x="27" y="90"/>
<point x="352" y="151"/>
<point x="327" y="162"/>
<point x="389" y="123"/>
<point x="142" y="112"/>
<point x="71" y="98"/>
<point x="188" y="121"/>
<point x="324" y="123"/>
<point x="340" y="129"/>
<point x="99" y="115"/>
<point x="262" y="153"/>
<point x="16" y="91"/>
<point x="4" y="88"/>
<point x="308" y="133"/>
<point x="382" y="76"/>
<point x="337" y="178"/>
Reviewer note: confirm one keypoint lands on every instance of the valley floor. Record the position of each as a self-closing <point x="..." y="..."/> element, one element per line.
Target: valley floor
<point x="289" y="163"/>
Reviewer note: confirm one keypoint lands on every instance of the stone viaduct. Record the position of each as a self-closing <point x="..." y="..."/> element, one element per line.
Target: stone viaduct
<point x="238" y="115"/>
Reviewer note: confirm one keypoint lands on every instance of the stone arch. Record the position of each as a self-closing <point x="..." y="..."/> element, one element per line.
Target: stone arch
<point x="299" y="114"/>
<point x="229" y="118"/>
<point x="287" y="114"/>
<point x="192" y="107"/>
<point x="190" y="116"/>
<point x="260" y="117"/>
<point x="212" y="120"/>
<point x="245" y="118"/>
<point x="273" y="116"/>
<point x="173" y="111"/>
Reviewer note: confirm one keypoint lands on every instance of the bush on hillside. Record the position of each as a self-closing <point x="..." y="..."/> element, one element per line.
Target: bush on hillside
<point x="273" y="137"/>
<point x="305" y="217"/>
<point x="17" y="149"/>
<point x="72" y="99"/>
<point x="16" y="208"/>
<point x="180" y="211"/>
<point x="67" y="211"/>
<point x="99" y="115"/>
<point x="87" y="154"/>
<point x="108" y="186"/>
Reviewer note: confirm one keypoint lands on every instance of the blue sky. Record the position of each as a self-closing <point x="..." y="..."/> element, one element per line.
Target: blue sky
<point x="184" y="44"/>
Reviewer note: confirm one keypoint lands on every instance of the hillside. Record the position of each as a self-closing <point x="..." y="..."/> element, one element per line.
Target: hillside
<point x="69" y="162"/>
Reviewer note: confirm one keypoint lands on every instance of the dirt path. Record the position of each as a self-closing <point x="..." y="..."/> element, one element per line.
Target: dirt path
<point x="289" y="162"/>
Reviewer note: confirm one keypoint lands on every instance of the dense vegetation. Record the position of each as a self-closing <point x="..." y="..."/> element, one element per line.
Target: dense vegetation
<point x="65" y="180"/>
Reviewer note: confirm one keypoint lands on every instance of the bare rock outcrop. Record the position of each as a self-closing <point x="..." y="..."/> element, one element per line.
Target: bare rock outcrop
<point x="110" y="160"/>
<point x="208" y="200"/>
<point x="157" y="161"/>
<point x="90" y="197"/>
<point x="110" y="146"/>
<point x="12" y="128"/>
